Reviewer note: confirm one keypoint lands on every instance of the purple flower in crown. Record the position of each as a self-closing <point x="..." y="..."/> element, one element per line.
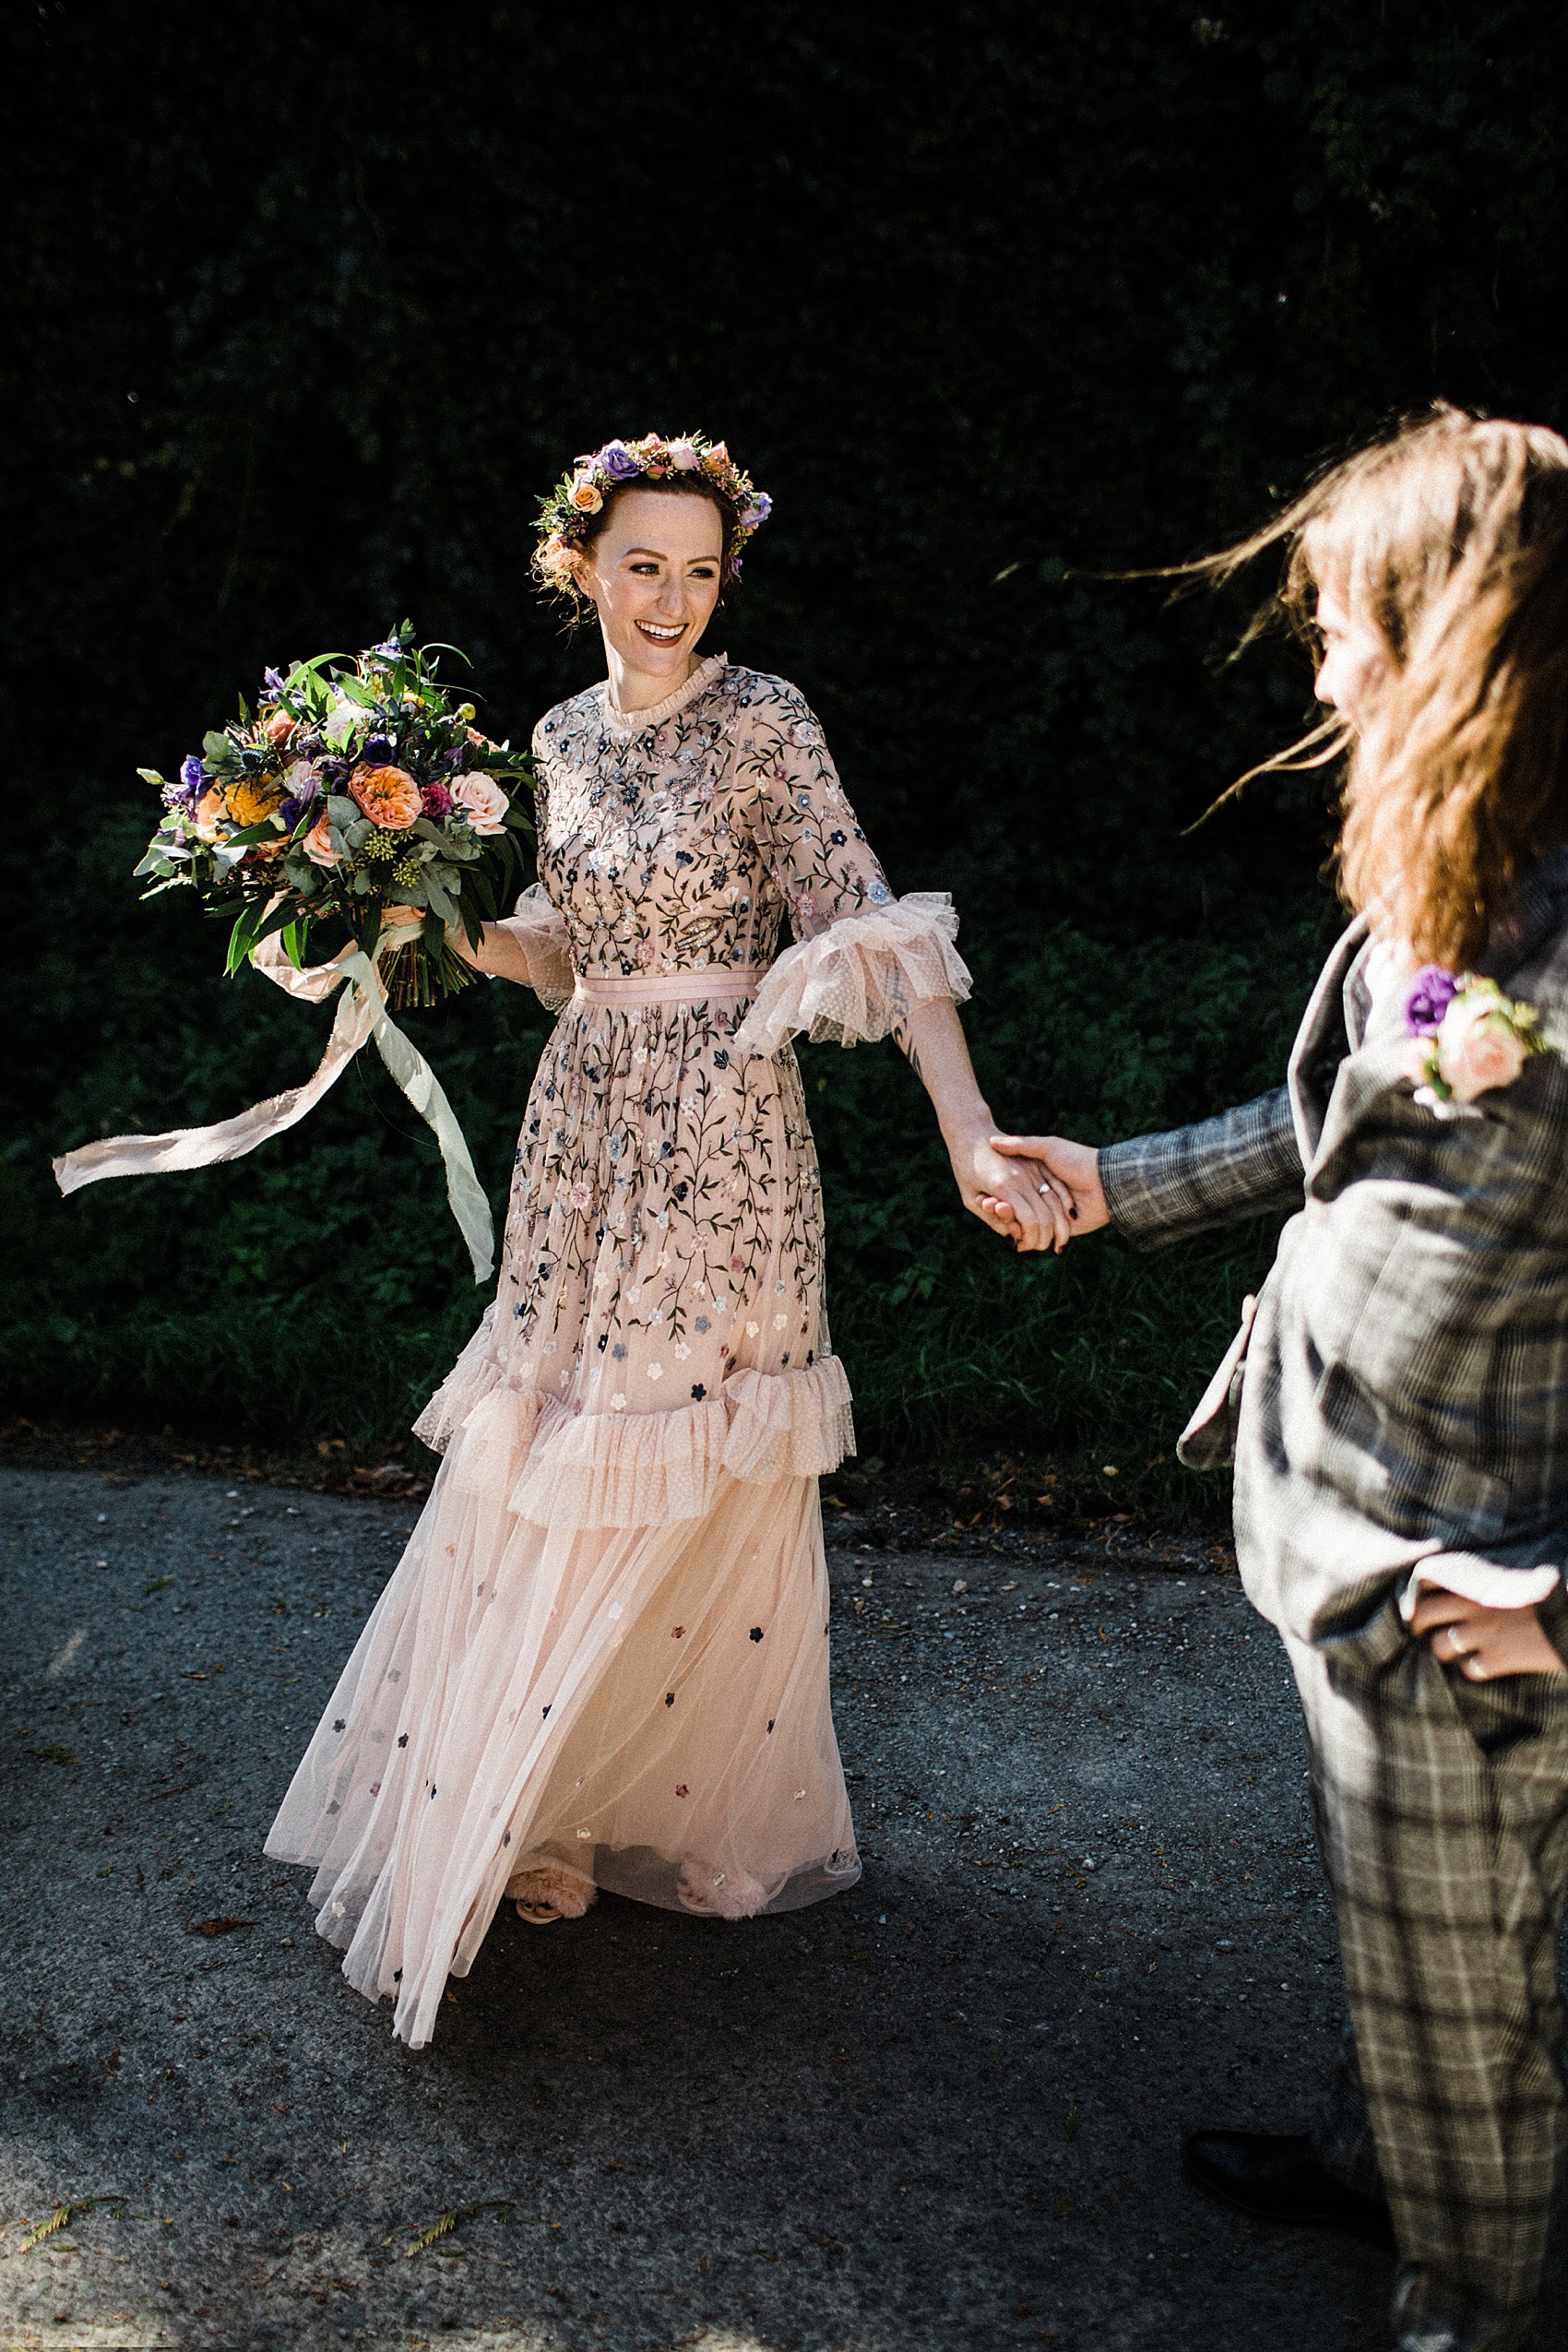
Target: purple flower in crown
<point x="617" y="461"/>
<point x="756" y="510"/>
<point x="1431" y="992"/>
<point x="193" y="780"/>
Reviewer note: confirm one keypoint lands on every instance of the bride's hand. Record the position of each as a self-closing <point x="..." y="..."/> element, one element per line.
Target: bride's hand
<point x="1073" y="1169"/>
<point x="393" y="918"/>
<point x="1027" y="1205"/>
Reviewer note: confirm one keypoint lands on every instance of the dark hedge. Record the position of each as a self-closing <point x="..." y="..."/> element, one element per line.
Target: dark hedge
<point x="307" y="303"/>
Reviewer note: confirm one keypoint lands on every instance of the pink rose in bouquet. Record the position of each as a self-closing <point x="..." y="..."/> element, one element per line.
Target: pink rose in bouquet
<point x="317" y="844"/>
<point x="483" y="802"/>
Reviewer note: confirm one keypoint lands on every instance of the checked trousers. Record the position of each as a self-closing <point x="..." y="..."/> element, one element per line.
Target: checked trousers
<point x="1441" y="1815"/>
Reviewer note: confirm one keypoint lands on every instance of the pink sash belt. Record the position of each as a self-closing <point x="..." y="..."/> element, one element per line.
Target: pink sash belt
<point x="724" y="984"/>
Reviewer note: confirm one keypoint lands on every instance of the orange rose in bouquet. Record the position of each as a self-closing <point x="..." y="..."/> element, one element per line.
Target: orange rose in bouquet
<point x="388" y="796"/>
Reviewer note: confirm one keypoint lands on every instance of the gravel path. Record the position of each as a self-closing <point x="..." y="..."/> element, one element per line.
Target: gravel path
<point x="942" y="2109"/>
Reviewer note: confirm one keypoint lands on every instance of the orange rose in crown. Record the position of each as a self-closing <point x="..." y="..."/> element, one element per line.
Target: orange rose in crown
<point x="388" y="796"/>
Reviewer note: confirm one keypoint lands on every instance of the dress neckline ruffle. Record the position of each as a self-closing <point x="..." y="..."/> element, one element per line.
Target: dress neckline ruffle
<point x="635" y="722"/>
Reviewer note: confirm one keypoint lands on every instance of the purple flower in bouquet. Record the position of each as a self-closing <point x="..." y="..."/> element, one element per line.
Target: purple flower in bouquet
<point x="389" y="651"/>
<point x="272" y="680"/>
<point x="378" y="751"/>
<point x="435" y="801"/>
<point x="304" y="790"/>
<point x="1431" y="992"/>
<point x="193" y="780"/>
<point x="617" y="461"/>
<point x="333" y="772"/>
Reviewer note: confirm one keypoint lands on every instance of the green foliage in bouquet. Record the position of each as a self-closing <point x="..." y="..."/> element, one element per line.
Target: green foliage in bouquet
<point x="360" y="787"/>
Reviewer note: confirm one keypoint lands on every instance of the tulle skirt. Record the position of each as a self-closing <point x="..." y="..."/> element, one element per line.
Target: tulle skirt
<point x="613" y="1669"/>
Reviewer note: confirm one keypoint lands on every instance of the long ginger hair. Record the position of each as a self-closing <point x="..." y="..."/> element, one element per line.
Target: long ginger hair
<point x="1453" y="537"/>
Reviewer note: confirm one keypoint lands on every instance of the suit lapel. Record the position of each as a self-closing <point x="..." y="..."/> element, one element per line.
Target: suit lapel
<point x="1321" y="1043"/>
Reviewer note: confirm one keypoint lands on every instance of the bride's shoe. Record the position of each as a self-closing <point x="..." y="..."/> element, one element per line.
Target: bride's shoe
<point x="546" y="1893"/>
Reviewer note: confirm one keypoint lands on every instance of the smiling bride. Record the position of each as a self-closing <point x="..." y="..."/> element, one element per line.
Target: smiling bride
<point x="602" y="1661"/>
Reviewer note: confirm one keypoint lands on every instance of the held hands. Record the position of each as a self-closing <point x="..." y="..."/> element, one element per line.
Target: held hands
<point x="1068" y="1173"/>
<point x="1484" y="1644"/>
<point x="1024" y="1204"/>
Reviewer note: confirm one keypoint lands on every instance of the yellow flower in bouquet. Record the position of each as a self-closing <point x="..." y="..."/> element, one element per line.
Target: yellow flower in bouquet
<point x="250" y="799"/>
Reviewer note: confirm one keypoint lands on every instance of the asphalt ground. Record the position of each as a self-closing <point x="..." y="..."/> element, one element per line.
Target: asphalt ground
<point x="944" y="2109"/>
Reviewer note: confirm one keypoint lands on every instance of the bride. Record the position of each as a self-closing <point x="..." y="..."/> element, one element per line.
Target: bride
<point x="602" y="1661"/>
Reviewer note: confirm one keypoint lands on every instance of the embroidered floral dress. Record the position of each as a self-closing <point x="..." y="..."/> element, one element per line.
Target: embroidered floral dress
<point x="605" y="1650"/>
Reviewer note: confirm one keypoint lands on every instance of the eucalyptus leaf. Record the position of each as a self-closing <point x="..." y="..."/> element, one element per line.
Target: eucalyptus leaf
<point x="341" y="810"/>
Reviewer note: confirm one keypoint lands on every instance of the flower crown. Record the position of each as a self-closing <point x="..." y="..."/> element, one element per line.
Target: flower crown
<point x="565" y="516"/>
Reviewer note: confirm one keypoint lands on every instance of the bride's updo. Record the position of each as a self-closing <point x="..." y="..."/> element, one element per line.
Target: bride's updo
<point x="688" y="466"/>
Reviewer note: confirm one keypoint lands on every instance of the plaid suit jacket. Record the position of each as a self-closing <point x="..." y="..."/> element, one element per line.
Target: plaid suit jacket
<point x="1404" y="1405"/>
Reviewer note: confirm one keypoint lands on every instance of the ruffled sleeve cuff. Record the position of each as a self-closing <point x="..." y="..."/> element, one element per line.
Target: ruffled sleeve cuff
<point x="540" y="932"/>
<point x="843" y="985"/>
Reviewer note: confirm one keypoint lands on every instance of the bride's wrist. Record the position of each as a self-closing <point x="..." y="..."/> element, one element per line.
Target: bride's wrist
<point x="961" y="1131"/>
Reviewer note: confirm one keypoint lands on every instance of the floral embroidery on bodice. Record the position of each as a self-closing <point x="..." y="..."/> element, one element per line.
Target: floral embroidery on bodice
<point x="676" y="839"/>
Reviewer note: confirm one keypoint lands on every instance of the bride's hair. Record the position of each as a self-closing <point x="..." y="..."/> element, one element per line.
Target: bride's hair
<point x="1452" y="536"/>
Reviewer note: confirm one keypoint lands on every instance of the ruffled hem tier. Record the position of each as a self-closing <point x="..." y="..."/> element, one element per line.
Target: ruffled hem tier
<point x="841" y="986"/>
<point x="550" y="1463"/>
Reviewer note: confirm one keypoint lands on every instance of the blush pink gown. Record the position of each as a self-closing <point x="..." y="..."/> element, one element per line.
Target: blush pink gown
<point x="604" y="1653"/>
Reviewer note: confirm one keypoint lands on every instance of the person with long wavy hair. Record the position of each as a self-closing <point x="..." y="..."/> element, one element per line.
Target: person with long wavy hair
<point x="1396" y="1402"/>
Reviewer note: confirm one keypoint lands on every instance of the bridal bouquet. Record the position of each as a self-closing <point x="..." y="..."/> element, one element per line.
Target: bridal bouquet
<point x="357" y="787"/>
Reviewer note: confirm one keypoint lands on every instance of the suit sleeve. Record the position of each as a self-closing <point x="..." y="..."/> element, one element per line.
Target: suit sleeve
<point x="1163" y="1188"/>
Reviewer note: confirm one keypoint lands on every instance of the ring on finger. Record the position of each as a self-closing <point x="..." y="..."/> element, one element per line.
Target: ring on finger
<point x="1456" y="1650"/>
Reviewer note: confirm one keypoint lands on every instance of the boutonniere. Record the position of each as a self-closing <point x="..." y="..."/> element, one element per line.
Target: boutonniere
<point x="1465" y="1038"/>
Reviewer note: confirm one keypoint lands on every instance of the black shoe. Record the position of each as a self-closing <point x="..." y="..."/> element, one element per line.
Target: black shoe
<point x="1275" y="2177"/>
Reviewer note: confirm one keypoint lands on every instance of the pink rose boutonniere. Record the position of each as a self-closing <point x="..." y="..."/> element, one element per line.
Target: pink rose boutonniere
<point x="1467" y="1038"/>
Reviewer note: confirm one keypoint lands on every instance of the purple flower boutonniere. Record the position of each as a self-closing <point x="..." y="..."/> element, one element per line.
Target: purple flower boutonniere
<point x="1467" y="1038"/>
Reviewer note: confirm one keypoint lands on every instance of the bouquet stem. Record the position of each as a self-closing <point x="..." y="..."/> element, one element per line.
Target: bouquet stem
<point x="421" y="975"/>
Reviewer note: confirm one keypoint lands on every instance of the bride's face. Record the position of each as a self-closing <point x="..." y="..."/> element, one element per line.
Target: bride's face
<point x="1356" y="660"/>
<point x="654" y="573"/>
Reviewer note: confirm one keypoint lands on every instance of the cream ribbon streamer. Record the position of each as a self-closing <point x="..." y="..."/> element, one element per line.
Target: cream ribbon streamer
<point x="361" y="1016"/>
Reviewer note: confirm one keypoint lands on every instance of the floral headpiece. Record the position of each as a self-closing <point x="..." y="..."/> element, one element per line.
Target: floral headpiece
<point x="566" y="517"/>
